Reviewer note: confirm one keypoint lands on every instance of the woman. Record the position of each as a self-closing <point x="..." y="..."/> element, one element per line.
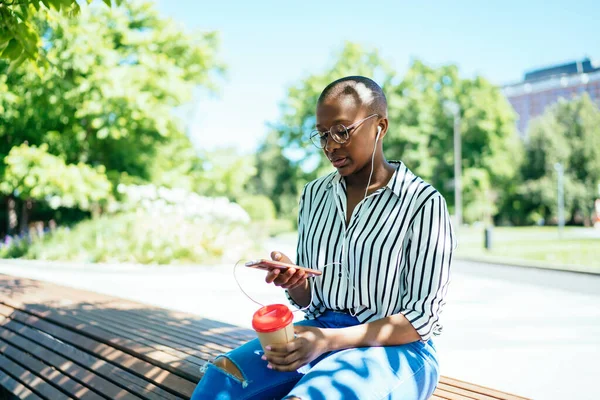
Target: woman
<point x="382" y="238"/>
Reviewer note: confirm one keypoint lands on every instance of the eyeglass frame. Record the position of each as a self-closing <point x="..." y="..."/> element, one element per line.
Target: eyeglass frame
<point x="327" y="133"/>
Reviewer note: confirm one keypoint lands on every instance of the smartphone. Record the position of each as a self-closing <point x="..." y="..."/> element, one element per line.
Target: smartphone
<point x="270" y="264"/>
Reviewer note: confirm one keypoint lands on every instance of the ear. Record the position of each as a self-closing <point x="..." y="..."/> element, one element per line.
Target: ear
<point x="382" y="127"/>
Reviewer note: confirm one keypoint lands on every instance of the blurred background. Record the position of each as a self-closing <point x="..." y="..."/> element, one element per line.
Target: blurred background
<point x="176" y="132"/>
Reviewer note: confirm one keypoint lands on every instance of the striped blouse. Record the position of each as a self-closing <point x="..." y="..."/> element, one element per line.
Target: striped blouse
<point x="393" y="257"/>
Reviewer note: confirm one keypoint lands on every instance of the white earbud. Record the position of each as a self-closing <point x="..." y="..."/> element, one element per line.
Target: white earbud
<point x="378" y="133"/>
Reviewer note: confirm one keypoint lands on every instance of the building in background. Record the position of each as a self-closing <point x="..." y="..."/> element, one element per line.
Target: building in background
<point x="543" y="87"/>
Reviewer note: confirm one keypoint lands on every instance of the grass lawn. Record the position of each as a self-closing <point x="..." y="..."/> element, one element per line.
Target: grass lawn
<point x="578" y="249"/>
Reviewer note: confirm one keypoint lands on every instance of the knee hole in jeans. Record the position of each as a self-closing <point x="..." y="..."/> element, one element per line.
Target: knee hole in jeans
<point x="226" y="365"/>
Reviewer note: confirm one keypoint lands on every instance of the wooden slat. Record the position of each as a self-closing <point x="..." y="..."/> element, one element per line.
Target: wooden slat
<point x="51" y="374"/>
<point x="132" y="339"/>
<point x="83" y="375"/>
<point x="153" y="373"/>
<point x="193" y="325"/>
<point x="90" y="371"/>
<point x="16" y="388"/>
<point x="453" y="396"/>
<point x="33" y="381"/>
<point x="183" y="340"/>
<point x="464" y="392"/>
<point x="481" y="389"/>
<point x="31" y="291"/>
<point x="176" y="363"/>
<point x="152" y="338"/>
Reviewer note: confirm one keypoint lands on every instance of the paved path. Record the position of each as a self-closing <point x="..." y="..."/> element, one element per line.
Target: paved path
<point x="531" y="332"/>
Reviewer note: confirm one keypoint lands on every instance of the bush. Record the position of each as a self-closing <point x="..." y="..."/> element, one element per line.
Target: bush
<point x="141" y="238"/>
<point x="260" y="208"/>
<point x="153" y="226"/>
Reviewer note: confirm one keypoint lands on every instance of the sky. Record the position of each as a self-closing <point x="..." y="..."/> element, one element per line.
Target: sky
<point x="268" y="46"/>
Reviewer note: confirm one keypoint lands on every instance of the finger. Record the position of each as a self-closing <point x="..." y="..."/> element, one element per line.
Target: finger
<point x="282" y="348"/>
<point x="272" y="275"/>
<point x="281" y="360"/>
<point x="284" y="276"/>
<point x="279" y="256"/>
<point x="290" y="274"/>
<point x="298" y="277"/>
<point x="286" y="368"/>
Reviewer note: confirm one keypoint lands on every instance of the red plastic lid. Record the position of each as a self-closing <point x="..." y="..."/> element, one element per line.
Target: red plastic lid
<point x="271" y="318"/>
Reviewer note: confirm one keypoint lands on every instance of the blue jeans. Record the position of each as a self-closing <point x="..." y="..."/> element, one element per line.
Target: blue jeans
<point x="408" y="371"/>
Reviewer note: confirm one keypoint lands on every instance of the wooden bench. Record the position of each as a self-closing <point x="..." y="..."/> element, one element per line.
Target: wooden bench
<point x="62" y="343"/>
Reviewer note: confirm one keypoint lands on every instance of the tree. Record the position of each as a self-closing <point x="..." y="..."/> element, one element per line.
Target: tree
<point x="422" y="135"/>
<point x="107" y="94"/>
<point x="19" y="38"/>
<point x="176" y="164"/>
<point x="276" y="177"/>
<point x="569" y="133"/>
<point x="225" y="173"/>
<point x="33" y="175"/>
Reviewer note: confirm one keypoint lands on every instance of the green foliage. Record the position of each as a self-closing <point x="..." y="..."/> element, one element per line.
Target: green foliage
<point x="569" y="133"/>
<point x="140" y="238"/>
<point x="151" y="225"/>
<point x="225" y="173"/>
<point x="20" y="38"/>
<point x="105" y="98"/>
<point x="32" y="173"/>
<point x="277" y="177"/>
<point x="276" y="227"/>
<point x="259" y="208"/>
<point x="422" y="135"/>
<point x="176" y="164"/>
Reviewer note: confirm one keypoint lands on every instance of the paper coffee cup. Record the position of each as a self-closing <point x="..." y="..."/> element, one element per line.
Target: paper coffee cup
<point x="273" y="324"/>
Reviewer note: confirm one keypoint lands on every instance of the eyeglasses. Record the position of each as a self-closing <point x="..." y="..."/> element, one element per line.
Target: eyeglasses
<point x="339" y="133"/>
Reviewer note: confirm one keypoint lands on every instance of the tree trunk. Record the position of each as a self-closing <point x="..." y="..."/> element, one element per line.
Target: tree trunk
<point x="25" y="211"/>
<point x="12" y="215"/>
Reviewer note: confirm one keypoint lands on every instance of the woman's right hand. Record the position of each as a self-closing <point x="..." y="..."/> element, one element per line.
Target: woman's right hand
<point x="288" y="279"/>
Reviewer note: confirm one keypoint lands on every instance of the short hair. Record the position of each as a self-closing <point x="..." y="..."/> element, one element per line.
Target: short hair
<point x="365" y="91"/>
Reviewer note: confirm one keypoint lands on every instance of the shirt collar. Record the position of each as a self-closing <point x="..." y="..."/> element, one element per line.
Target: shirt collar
<point x="394" y="184"/>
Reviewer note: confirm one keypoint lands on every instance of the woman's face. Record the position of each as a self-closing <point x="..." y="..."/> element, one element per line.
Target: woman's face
<point x="353" y="155"/>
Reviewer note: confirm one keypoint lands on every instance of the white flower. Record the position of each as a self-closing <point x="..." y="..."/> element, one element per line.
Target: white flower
<point x="181" y="202"/>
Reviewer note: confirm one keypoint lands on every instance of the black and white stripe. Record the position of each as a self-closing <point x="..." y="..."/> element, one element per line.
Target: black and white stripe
<point x="395" y="254"/>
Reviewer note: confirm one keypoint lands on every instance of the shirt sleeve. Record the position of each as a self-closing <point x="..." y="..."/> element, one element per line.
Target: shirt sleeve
<point x="300" y="252"/>
<point x="431" y="244"/>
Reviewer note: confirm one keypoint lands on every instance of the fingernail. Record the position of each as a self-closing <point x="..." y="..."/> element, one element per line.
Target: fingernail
<point x="264" y="358"/>
<point x="268" y="348"/>
<point x="269" y="366"/>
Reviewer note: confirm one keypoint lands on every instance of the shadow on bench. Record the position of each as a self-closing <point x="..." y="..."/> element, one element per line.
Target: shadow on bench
<point x="63" y="343"/>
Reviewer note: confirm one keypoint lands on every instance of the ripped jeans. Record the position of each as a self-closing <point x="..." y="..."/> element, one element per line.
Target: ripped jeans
<point x="408" y="372"/>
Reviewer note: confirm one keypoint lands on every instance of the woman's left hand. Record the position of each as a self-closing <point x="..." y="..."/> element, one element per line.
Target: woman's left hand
<point x="309" y="344"/>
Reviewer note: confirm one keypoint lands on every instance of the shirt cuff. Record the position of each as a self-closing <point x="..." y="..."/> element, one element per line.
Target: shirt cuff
<point x="292" y="302"/>
<point x="425" y="325"/>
